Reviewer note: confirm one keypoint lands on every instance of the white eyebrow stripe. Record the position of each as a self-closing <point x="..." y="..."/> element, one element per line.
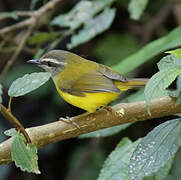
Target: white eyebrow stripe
<point x="53" y="60"/>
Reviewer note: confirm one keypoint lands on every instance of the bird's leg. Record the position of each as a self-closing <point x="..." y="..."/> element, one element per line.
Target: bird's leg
<point x="69" y="120"/>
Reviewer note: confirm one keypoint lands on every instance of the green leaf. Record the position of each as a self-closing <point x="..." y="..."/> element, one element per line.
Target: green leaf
<point x="178" y="99"/>
<point x="159" y="82"/>
<point x="176" y="52"/>
<point x="178" y="83"/>
<point x="172" y="40"/>
<point x="24" y="156"/>
<point x="33" y="4"/>
<point x="176" y="94"/>
<point x="136" y="8"/>
<point x="83" y="11"/>
<point x="155" y="149"/>
<point x="28" y="83"/>
<point x="162" y="173"/>
<point x="116" y="165"/>
<point x="167" y="62"/>
<point x="8" y="15"/>
<point x="105" y="132"/>
<point x="42" y="37"/>
<point x="93" y="27"/>
<point x="11" y="132"/>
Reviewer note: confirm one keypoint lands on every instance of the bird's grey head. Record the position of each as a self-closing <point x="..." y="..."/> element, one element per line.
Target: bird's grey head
<point x="54" y="61"/>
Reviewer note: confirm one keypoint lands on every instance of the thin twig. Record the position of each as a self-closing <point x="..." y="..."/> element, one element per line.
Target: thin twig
<point x="12" y="119"/>
<point x="19" y="25"/>
<point x="35" y="15"/>
<point x="9" y="104"/>
<point x="18" y="51"/>
<point x="24" y="13"/>
<point x="122" y="114"/>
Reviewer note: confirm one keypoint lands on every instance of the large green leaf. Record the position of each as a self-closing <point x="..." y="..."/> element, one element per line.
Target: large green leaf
<point x="24" y="156"/>
<point x="159" y="82"/>
<point x="116" y="165"/>
<point x="8" y="15"/>
<point x="165" y="63"/>
<point x="28" y="83"/>
<point x="83" y="11"/>
<point x="176" y="52"/>
<point x="33" y="4"/>
<point x="136" y="8"/>
<point x="168" y="61"/>
<point x="155" y="149"/>
<point x="93" y="27"/>
<point x="172" y="40"/>
<point x="42" y="37"/>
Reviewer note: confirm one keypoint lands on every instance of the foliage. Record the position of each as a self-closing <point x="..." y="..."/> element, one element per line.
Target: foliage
<point x="176" y="52"/>
<point x="8" y="15"/>
<point x="136" y="8"/>
<point x="84" y="13"/>
<point x="24" y="155"/>
<point x="169" y="68"/>
<point x="117" y="164"/>
<point x="93" y="27"/>
<point x="104" y="30"/>
<point x="28" y="83"/>
<point x="145" y="54"/>
<point x="162" y="142"/>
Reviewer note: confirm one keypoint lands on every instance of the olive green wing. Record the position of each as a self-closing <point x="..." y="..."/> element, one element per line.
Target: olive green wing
<point x="111" y="74"/>
<point x="91" y="82"/>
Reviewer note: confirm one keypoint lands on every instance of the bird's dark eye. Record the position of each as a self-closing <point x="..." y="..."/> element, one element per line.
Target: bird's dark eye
<point x="49" y="64"/>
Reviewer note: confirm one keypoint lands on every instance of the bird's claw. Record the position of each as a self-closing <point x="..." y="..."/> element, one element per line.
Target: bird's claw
<point x="69" y="120"/>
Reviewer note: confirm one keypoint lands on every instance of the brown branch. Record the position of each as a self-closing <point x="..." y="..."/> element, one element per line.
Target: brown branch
<point x="24" y="13"/>
<point x="88" y="122"/>
<point x="12" y="119"/>
<point x="35" y="16"/>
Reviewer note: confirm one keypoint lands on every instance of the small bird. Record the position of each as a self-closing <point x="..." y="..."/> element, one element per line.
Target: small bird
<point x="84" y="83"/>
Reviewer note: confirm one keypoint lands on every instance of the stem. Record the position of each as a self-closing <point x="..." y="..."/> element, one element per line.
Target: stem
<point x="12" y="119"/>
<point x="9" y="104"/>
<point x="122" y="113"/>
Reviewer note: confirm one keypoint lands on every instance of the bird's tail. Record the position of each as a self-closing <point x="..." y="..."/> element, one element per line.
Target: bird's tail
<point x="131" y="83"/>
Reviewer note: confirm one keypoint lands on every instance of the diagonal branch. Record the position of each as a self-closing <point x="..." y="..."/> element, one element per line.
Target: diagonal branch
<point x="88" y="122"/>
<point x="35" y="15"/>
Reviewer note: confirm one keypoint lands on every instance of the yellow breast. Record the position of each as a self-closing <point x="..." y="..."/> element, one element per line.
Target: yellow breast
<point x="91" y="101"/>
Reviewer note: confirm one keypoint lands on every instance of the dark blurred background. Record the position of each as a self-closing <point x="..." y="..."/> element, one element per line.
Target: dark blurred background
<point x="81" y="159"/>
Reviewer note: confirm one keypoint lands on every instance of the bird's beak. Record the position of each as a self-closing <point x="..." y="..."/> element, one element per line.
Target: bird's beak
<point x="34" y="61"/>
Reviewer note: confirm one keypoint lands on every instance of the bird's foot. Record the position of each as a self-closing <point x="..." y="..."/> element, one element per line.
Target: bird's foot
<point x="119" y="113"/>
<point x="69" y="120"/>
<point x="107" y="108"/>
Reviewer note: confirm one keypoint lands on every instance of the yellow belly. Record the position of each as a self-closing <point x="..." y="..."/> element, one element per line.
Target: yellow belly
<point x="91" y="101"/>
